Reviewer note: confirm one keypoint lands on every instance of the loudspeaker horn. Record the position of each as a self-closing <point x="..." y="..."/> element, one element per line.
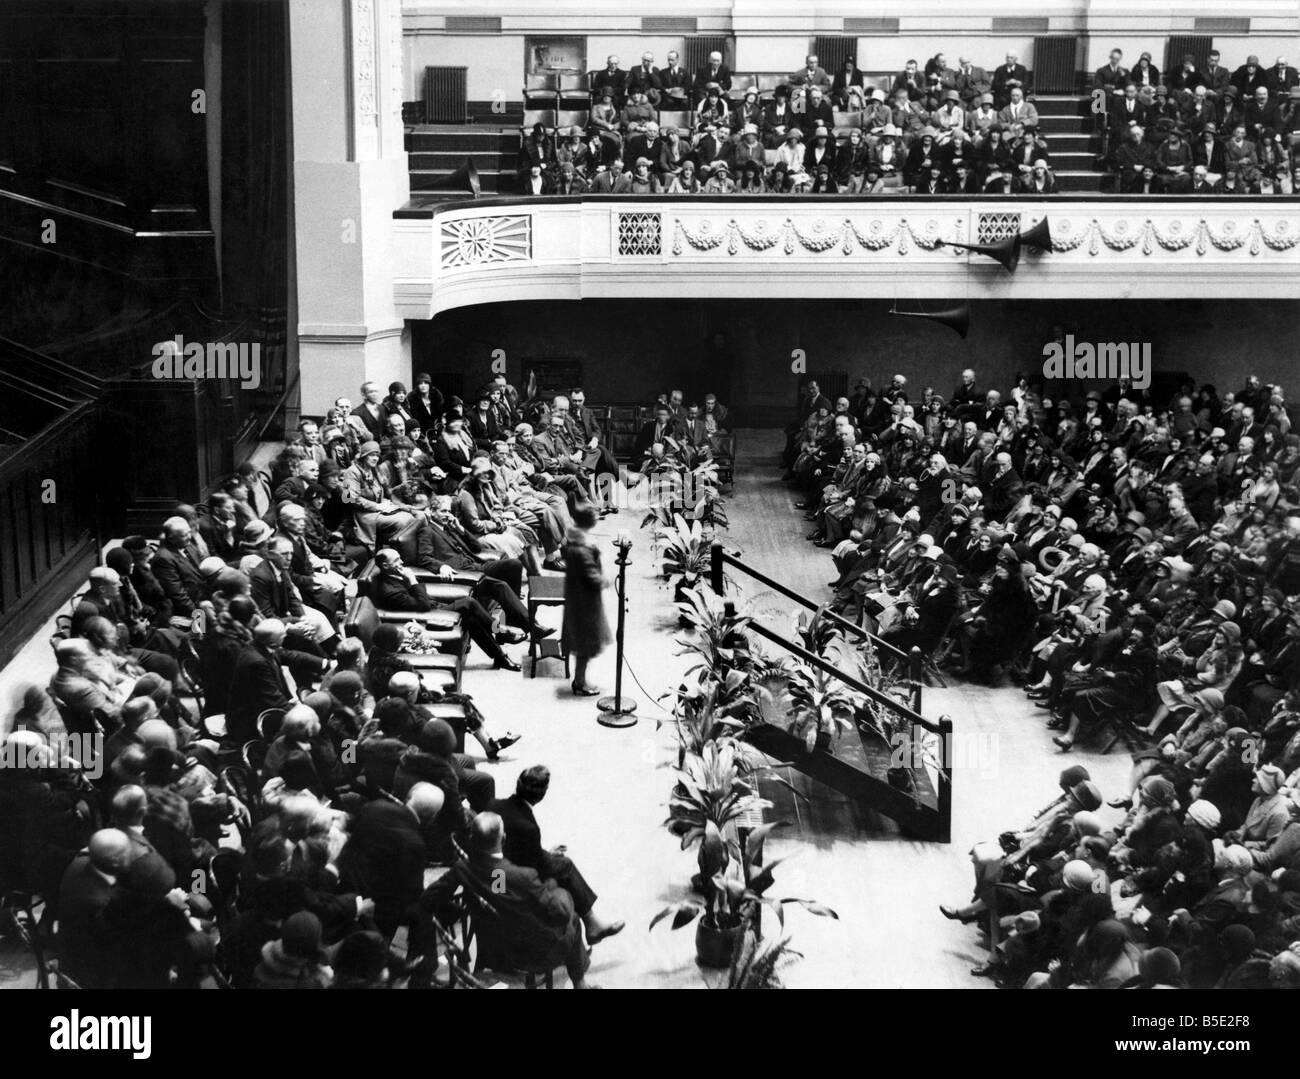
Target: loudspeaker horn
<point x="463" y="179"/>
<point x="1005" y="251"/>
<point x="1040" y="236"/>
<point x="955" y="318"/>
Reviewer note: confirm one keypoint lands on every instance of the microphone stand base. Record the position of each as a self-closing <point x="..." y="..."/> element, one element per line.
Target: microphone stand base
<point x="616" y="712"/>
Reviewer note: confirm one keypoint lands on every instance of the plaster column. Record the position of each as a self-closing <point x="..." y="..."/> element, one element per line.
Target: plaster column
<point x="349" y="175"/>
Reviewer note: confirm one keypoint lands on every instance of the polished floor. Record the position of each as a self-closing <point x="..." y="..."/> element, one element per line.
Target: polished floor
<point x="610" y="787"/>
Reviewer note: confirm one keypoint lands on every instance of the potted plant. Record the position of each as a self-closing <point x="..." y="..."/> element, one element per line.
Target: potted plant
<point x="822" y="707"/>
<point x="757" y="964"/>
<point x="736" y="883"/>
<point x="685" y="551"/>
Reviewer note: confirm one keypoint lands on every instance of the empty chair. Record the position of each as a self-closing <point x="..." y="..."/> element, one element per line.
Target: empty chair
<point x="541" y="92"/>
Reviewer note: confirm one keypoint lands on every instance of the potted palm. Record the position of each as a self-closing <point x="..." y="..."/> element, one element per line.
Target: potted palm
<point x="734" y="897"/>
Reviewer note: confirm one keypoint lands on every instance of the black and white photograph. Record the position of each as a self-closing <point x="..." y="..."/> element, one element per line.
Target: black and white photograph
<point x="754" y="495"/>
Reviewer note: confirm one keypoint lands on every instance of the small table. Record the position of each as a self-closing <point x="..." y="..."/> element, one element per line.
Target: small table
<point x="544" y="591"/>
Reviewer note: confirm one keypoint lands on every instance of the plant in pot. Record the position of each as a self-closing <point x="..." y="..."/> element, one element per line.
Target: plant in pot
<point x="821" y="706"/>
<point x="736" y="883"/>
<point x="717" y="635"/>
<point x="757" y="963"/>
<point x="685" y="552"/>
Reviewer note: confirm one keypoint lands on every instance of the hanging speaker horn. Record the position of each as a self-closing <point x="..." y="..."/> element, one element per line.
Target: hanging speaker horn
<point x="955" y="318"/>
<point x="463" y="179"/>
<point x="1006" y="251"/>
<point x="1040" y="236"/>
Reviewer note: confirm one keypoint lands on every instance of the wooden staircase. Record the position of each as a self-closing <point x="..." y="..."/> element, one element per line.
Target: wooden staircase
<point x="438" y="150"/>
<point x="1065" y="123"/>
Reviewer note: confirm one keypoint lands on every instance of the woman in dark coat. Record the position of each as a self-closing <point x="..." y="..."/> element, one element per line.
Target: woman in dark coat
<point x="586" y="629"/>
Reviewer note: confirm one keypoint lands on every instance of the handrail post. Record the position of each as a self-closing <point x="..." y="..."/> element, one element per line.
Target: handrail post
<point x="715" y="568"/>
<point x="916" y="674"/>
<point x="945" y="787"/>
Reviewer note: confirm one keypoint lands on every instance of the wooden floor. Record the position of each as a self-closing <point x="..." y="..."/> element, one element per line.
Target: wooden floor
<point x="610" y="788"/>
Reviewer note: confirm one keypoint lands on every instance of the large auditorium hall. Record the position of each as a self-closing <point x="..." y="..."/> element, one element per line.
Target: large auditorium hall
<point x="506" y="494"/>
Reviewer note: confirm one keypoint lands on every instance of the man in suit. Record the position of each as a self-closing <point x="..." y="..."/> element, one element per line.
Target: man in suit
<point x="1010" y="74"/>
<point x="520" y="920"/>
<point x="314" y="577"/>
<point x="1112" y="75"/>
<point x="385" y="855"/>
<point x="1201" y="182"/>
<point x="611" y="79"/>
<point x="644" y="79"/>
<point x="369" y="416"/>
<point x="522" y="846"/>
<point x="1135" y="161"/>
<point x="1217" y="77"/>
<point x="1197" y="110"/>
<point x="817" y="112"/>
<point x="971" y="82"/>
<point x="811" y="74"/>
<point x="258" y="682"/>
<point x="1018" y="110"/>
<point x="1126" y="110"/>
<point x="1261" y="112"/>
<point x="714" y="71"/>
<point x="89" y="947"/>
<point x="1187" y="78"/>
<point x="674" y="82"/>
<point x="909" y="80"/>
<point x="276" y="596"/>
<point x="662" y="430"/>
<point x="395" y="588"/>
<point x="612" y="181"/>
<point x="177" y="568"/>
<point x="586" y="432"/>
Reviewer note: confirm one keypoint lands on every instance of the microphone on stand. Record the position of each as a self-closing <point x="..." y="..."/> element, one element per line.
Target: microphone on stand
<point x="618" y="711"/>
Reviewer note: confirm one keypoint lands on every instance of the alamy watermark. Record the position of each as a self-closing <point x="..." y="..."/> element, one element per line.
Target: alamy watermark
<point x="82" y="752"/>
<point x="1111" y="360"/>
<point x="179" y="359"/>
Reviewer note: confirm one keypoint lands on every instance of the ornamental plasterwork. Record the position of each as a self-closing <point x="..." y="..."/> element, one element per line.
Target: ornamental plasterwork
<point x="1175" y="236"/>
<point x="817" y="236"/>
<point x="474" y="241"/>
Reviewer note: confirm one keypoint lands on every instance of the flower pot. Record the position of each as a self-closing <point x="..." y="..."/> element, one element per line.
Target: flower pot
<point x="688" y="581"/>
<point x="714" y="947"/>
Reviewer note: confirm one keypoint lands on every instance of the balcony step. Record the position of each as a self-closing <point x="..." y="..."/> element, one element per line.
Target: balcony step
<point x="464" y="139"/>
<point x="1065" y="125"/>
<point x="1054" y="105"/>
<point x="1079" y="180"/>
<point x="1061" y="143"/>
<point x="450" y="160"/>
<point x="493" y="180"/>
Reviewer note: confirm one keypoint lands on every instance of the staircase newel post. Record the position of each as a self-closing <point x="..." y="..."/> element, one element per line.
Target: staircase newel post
<point x="916" y="675"/>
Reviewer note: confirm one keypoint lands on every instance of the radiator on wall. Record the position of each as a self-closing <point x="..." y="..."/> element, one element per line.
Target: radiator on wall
<point x="698" y="47"/>
<point x="446" y="90"/>
<point x="1055" y="67"/>
<point x="1198" y="45"/>
<point x="832" y="51"/>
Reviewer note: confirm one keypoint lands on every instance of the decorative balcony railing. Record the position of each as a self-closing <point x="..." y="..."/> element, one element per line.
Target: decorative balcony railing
<point x="807" y="246"/>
